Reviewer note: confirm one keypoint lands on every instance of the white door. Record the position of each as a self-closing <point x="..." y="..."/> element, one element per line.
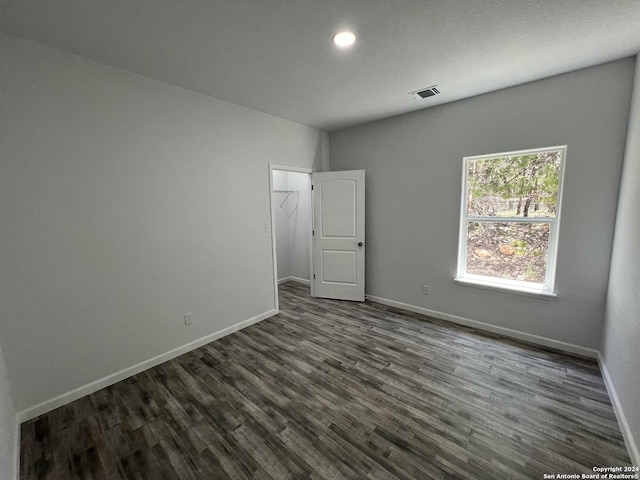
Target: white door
<point x="338" y="235"/>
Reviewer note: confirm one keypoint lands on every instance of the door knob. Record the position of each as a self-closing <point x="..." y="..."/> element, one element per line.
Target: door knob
<point x="360" y="244"/>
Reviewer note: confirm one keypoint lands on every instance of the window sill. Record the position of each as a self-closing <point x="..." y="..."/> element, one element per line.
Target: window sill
<point x="516" y="289"/>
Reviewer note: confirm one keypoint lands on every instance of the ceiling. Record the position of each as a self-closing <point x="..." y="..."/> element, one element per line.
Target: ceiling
<point x="276" y="56"/>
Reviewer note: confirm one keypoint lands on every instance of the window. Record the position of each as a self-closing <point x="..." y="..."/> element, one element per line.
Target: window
<point x="509" y="220"/>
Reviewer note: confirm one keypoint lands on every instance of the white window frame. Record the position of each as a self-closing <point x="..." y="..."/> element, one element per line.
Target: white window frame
<point x="546" y="289"/>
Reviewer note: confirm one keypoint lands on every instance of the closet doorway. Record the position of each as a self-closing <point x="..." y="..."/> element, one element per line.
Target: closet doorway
<point x="291" y="225"/>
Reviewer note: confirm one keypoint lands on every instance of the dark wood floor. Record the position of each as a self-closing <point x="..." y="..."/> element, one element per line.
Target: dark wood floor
<point x="332" y="390"/>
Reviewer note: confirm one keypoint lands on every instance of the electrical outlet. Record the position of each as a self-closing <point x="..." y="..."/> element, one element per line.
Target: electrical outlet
<point x="187" y="318"/>
<point x="425" y="289"/>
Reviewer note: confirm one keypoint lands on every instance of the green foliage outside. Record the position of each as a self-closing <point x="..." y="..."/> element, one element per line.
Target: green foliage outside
<point x="524" y="185"/>
<point x="516" y="186"/>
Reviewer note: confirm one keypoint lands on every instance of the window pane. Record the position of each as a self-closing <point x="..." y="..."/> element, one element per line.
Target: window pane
<point x="514" y="186"/>
<point x="510" y="251"/>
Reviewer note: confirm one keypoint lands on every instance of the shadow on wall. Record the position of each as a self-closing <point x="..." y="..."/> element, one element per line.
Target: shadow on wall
<point x="292" y="224"/>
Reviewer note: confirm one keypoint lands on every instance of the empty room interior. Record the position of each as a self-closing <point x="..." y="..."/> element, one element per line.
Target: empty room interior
<point x="319" y="239"/>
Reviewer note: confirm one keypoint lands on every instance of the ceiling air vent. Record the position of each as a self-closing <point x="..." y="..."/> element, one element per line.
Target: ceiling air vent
<point x="425" y="92"/>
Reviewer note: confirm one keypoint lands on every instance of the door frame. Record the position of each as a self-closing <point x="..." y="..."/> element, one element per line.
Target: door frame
<point x="274" y="257"/>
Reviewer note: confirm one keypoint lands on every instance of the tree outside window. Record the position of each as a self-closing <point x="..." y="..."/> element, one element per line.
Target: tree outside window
<point x="510" y="217"/>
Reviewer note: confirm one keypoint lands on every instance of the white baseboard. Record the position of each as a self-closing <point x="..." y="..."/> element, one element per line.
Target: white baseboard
<point x="92" y="387"/>
<point x="294" y="279"/>
<point x="629" y="441"/>
<point x="507" y="332"/>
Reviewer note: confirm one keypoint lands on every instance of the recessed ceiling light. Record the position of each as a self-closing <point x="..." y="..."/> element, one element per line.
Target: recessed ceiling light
<point x="344" y="39"/>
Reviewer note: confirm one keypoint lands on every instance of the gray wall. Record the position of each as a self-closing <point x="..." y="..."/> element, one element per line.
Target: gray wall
<point x="621" y="339"/>
<point x="8" y="430"/>
<point x="414" y="164"/>
<point x="124" y="203"/>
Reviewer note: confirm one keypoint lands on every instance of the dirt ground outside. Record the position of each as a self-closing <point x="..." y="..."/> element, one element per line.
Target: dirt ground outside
<point x="511" y="251"/>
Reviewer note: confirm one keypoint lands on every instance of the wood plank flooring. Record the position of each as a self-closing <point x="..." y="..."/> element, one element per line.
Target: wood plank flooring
<point x="338" y="390"/>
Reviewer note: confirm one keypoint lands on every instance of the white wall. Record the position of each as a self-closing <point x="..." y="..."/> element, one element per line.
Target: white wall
<point x="300" y="227"/>
<point x="281" y="220"/>
<point x="621" y="336"/>
<point x="8" y="426"/>
<point x="293" y="224"/>
<point x="124" y="203"/>
<point x="414" y="165"/>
